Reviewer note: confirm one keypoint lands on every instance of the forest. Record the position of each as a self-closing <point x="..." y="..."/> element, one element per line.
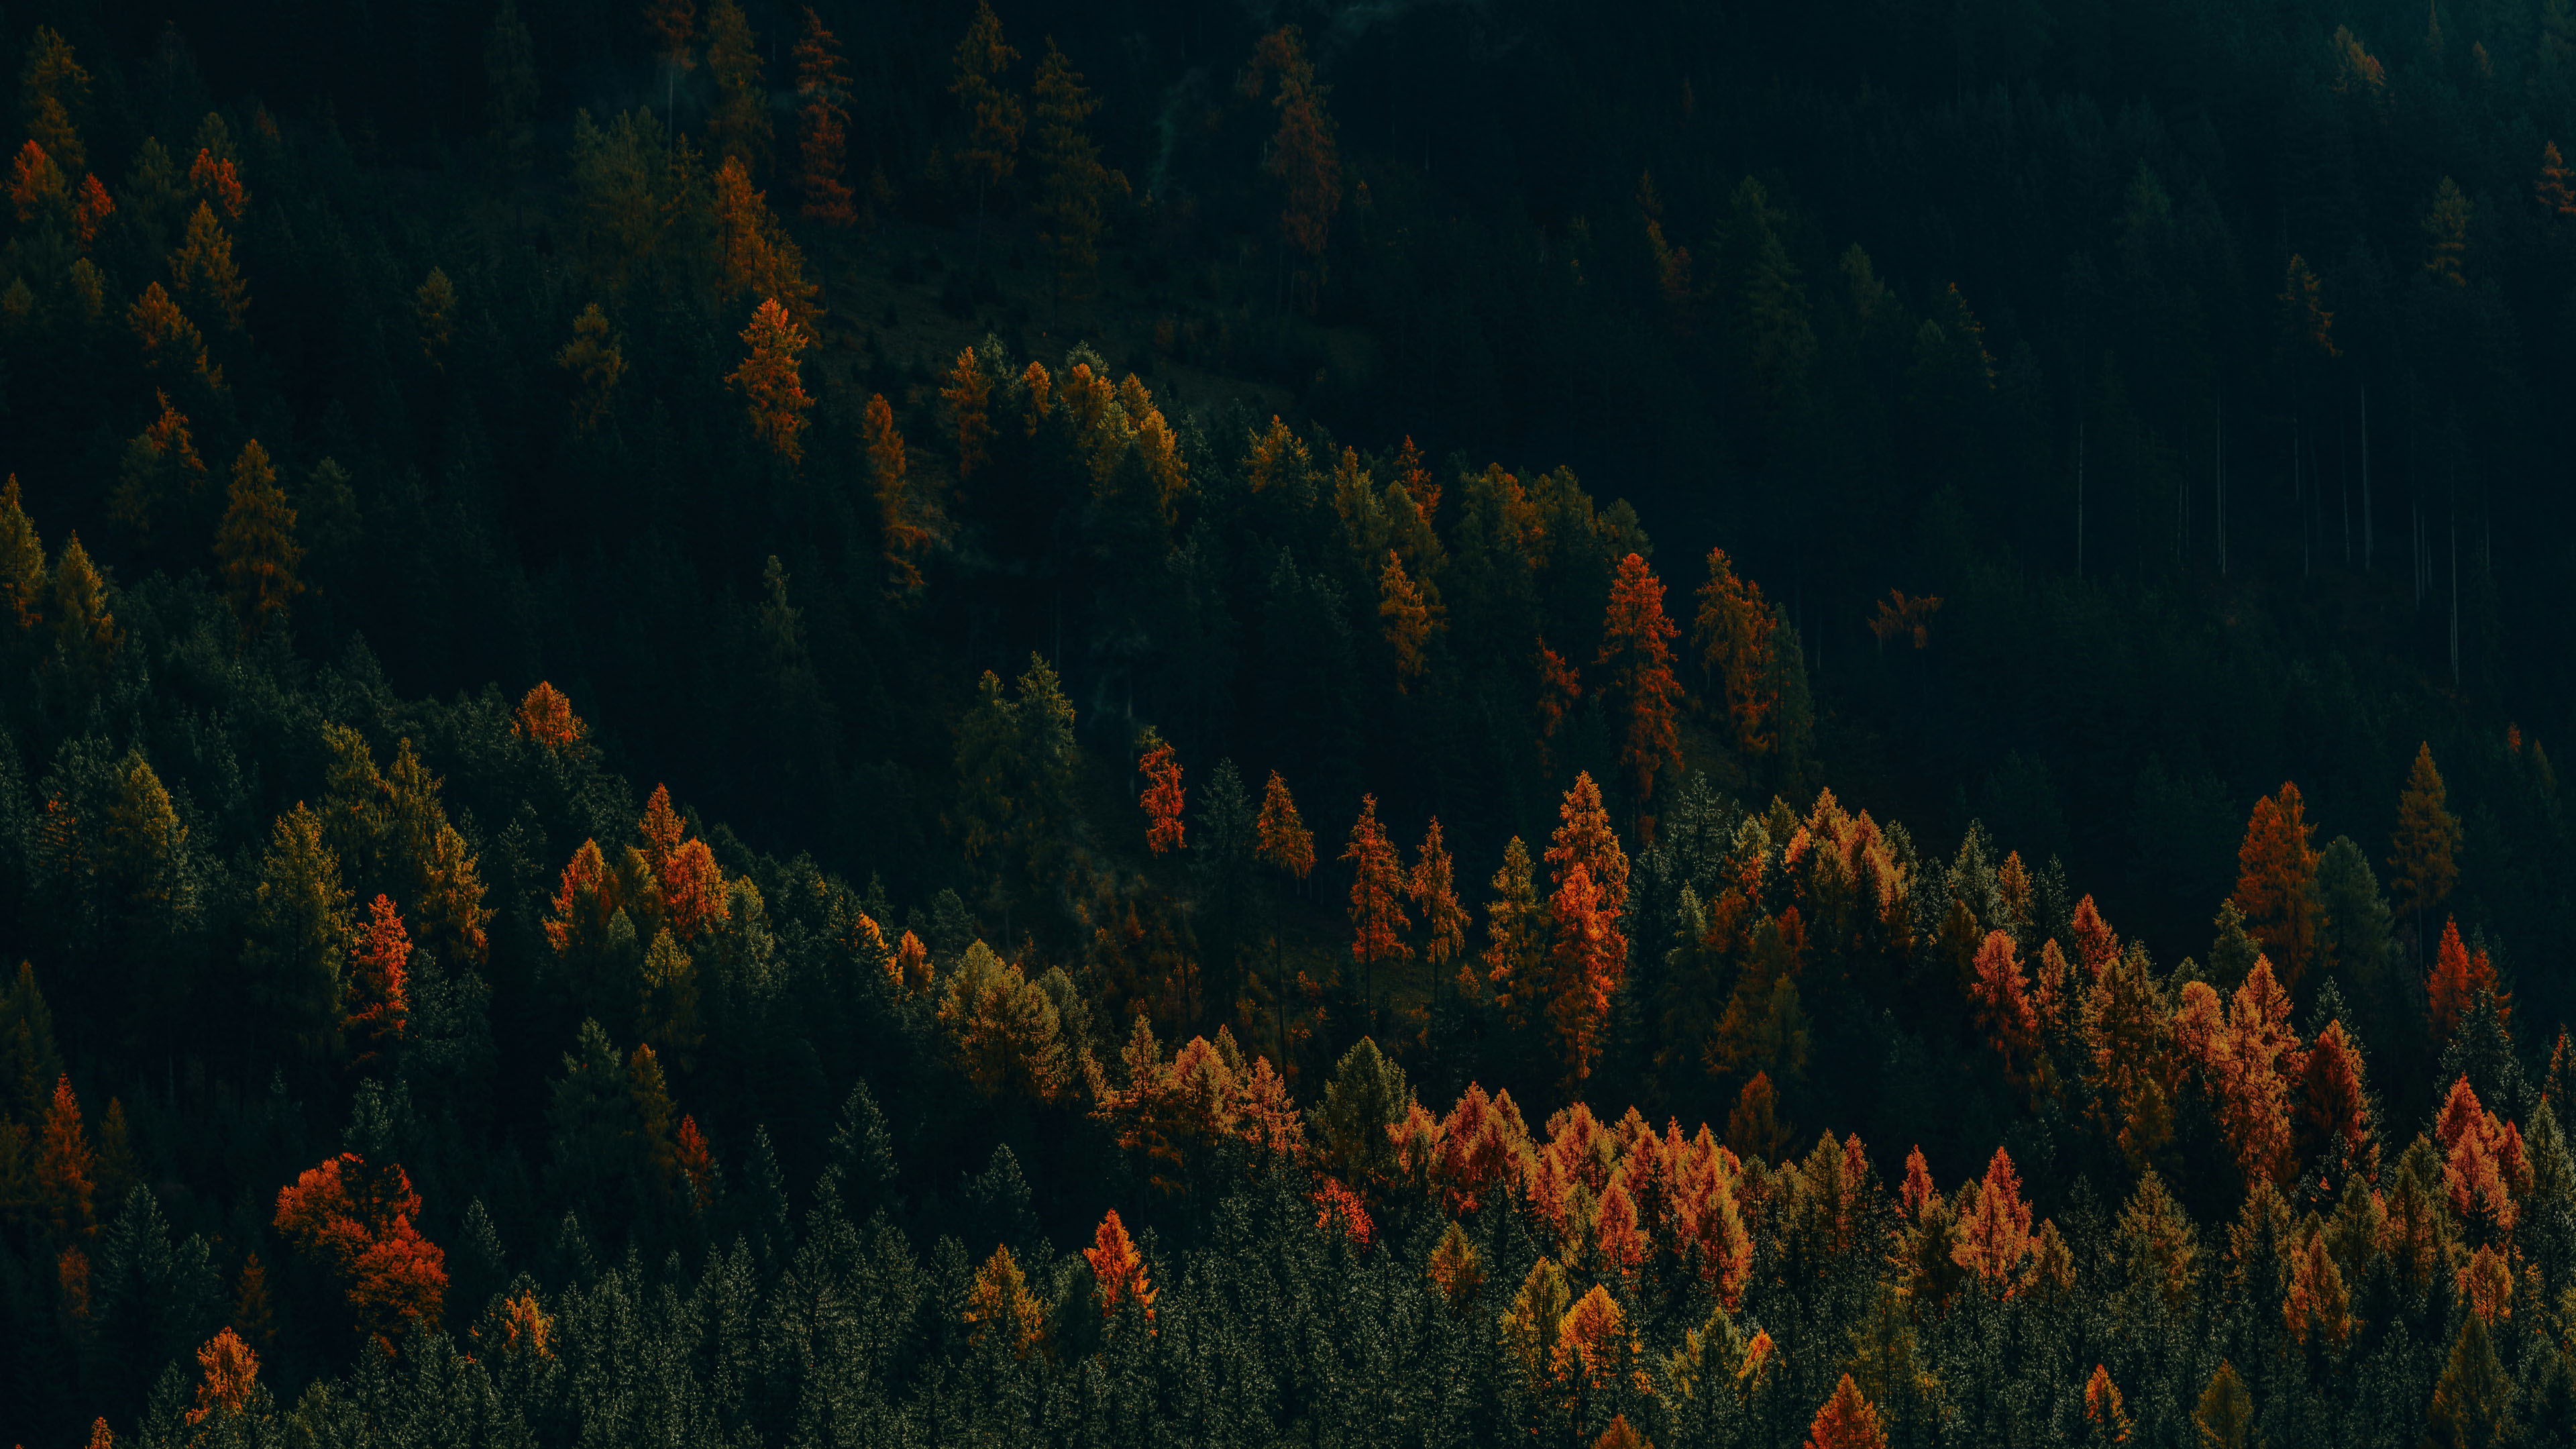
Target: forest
<point x="1806" y="727"/>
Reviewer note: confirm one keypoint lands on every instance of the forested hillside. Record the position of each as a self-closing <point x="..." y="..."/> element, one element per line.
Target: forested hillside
<point x="728" y="723"/>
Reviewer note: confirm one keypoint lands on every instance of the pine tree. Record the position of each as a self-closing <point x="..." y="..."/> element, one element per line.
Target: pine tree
<point x="1583" y="834"/>
<point x="1456" y="1271"/>
<point x="2423" y="857"/>
<point x="1733" y="638"/>
<point x="545" y="718"/>
<point x="994" y="115"/>
<point x="379" y="996"/>
<point x="823" y="125"/>
<point x="1847" y="1421"/>
<point x="1163" y="798"/>
<point x="2275" y="884"/>
<point x="1285" y="841"/>
<point x="256" y="545"/>
<point x="216" y="179"/>
<point x="2447" y="226"/>
<point x="2157" y="1245"/>
<point x="969" y="395"/>
<point x="1408" y="622"/>
<point x="37" y="186"/>
<point x="1075" y="191"/>
<point x="170" y="341"/>
<point x="66" y="1168"/>
<point x="22" y="561"/>
<point x="1001" y="1310"/>
<point x="774" y="396"/>
<point x="901" y="515"/>
<point x="2472" y="1404"/>
<point x="203" y="272"/>
<point x="1587" y="960"/>
<point x="595" y="360"/>
<point x="1516" y="935"/>
<point x="1118" y="1270"/>
<point x="739" y="128"/>
<point x="2459" y="975"/>
<point x="2225" y="1414"/>
<point x="1378" y="921"/>
<point x="1640" y="683"/>
<point x="301" y="927"/>
<point x="1753" y="1125"/>
<point x="229" y="1375"/>
<point x="1303" y="153"/>
<point x="2106" y="1419"/>
<point x="2556" y="194"/>
<point x="1433" y="890"/>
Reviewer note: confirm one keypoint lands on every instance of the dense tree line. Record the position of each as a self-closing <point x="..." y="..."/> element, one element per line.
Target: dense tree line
<point x="1191" y="885"/>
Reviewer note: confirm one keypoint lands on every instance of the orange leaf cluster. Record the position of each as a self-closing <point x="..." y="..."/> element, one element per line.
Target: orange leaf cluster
<point x="545" y="717"/>
<point x="357" y="1219"/>
<point x="773" y="392"/>
<point x="2249" y="1056"/>
<point x="2459" y="974"/>
<point x="1118" y="1269"/>
<point x="1285" y="840"/>
<point x="379" y="1003"/>
<point x="230" y="1371"/>
<point x="1163" y="799"/>
<point x="1174" y="1113"/>
<point x="1334" y="1201"/>
<point x="2484" y="1165"/>
<point x="1637" y="652"/>
<point x="2276" y="868"/>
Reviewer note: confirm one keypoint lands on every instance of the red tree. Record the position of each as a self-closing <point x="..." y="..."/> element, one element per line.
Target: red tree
<point x="1846" y="1421"/>
<point x="2458" y="976"/>
<point x="379" y="1005"/>
<point x="357" y="1219"/>
<point x="1163" y="798"/>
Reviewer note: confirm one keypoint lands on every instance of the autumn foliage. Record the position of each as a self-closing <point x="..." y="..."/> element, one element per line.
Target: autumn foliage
<point x="356" y="1220"/>
<point x="1163" y="798"/>
<point x="773" y="393"/>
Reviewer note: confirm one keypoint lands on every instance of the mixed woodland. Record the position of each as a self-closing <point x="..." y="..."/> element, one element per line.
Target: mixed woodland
<point x="1404" y="723"/>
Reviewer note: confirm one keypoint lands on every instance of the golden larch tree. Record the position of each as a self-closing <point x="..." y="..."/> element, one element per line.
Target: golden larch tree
<point x="1000" y="1307"/>
<point x="1732" y="637"/>
<point x="1847" y="1421"/>
<point x="1406" y="622"/>
<point x="379" y="987"/>
<point x="2424" y="855"/>
<point x="1516" y="934"/>
<point x="1434" y="893"/>
<point x="968" y="393"/>
<point x="595" y="360"/>
<point x="1118" y="1269"/>
<point x="902" y="517"/>
<point x="1285" y="842"/>
<point x="255" y="546"/>
<point x="773" y="392"/>
<point x="22" y="561"/>
<point x="1378" y="921"/>
<point x="202" y="270"/>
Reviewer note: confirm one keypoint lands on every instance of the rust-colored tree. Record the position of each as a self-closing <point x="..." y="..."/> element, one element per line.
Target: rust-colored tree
<point x="1587" y="957"/>
<point x="2556" y="189"/>
<point x="1118" y="1270"/>
<point x="1847" y="1421"/>
<point x="823" y="126"/>
<point x="1434" y="892"/>
<point x="357" y="1220"/>
<point x="1732" y="637"/>
<point x="1637" y="656"/>
<point x="379" y="995"/>
<point x="1583" y="834"/>
<point x="1163" y="797"/>
<point x="66" y="1167"/>
<point x="2459" y="974"/>
<point x="2276" y="873"/>
<point x="773" y="393"/>
<point x="1558" y="689"/>
<point x="902" y="515"/>
<point x="545" y="718"/>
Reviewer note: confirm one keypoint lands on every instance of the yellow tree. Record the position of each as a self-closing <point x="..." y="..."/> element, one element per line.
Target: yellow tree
<point x="1637" y="656"/>
<point x="969" y="395"/>
<point x="2424" y="855"/>
<point x="202" y="269"/>
<point x="1435" y="894"/>
<point x="773" y="393"/>
<point x="256" y="544"/>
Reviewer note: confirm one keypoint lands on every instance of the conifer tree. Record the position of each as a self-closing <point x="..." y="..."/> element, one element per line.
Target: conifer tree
<point x="2556" y="194"/>
<point x="823" y="126"/>
<point x="901" y="515"/>
<point x="1303" y="154"/>
<point x="1516" y="935"/>
<point x="301" y="927"/>
<point x="1847" y="1421"/>
<point x="2446" y="227"/>
<point x="739" y="127"/>
<point x="2275" y="884"/>
<point x="2225" y="1414"/>
<point x="1378" y="921"/>
<point x="379" y="992"/>
<point x="2472" y="1405"/>
<point x="2423" y="858"/>
<point x="1639" y="661"/>
<point x="2459" y="975"/>
<point x="170" y="341"/>
<point x="773" y="393"/>
<point x="256" y="545"/>
<point x="510" y="92"/>
<point x="1286" y="843"/>
<point x="1163" y="798"/>
<point x="202" y="270"/>
<point x="1408" y="622"/>
<point x="1583" y="835"/>
<point x="53" y="90"/>
<point x="1433" y="891"/>
<point x="969" y="395"/>
<point x="22" y="561"/>
<point x="1117" y="1270"/>
<point x="595" y="360"/>
<point x="674" y="27"/>
<point x="994" y="116"/>
<point x="1075" y="191"/>
<point x="66" y="1168"/>
<point x="1001" y="1310"/>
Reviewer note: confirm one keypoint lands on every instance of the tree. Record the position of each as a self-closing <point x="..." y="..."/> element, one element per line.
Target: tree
<point x="1408" y="622"/>
<point x="1118" y="1270"/>
<point x="356" y="1219"/>
<point x="595" y="360"/>
<point x="510" y="92"/>
<point x="773" y="394"/>
<point x="301" y="927"/>
<point x="2307" y="328"/>
<point x="66" y="1168"/>
<point x="901" y="515"/>
<point x="1635" y="651"/>
<point x="1433" y="890"/>
<point x="1995" y="1237"/>
<point x="2225" y="1414"/>
<point x="1001" y="1310"/>
<point x="1378" y="921"/>
<point x="1302" y="154"/>
<point x="1074" y="189"/>
<point x="674" y="24"/>
<point x="52" y="90"/>
<point x="994" y="116"/>
<point x="969" y="395"/>
<point x="1516" y="934"/>
<point x="256" y="545"/>
<point x="1015" y="763"/>
<point x="434" y="305"/>
<point x="229" y="1375"/>
<point x="739" y="128"/>
<point x="2001" y="996"/>
<point x="2472" y="1404"/>
<point x="1847" y="1421"/>
<point x="1587" y="959"/>
<point x="2459" y="975"/>
<point x="37" y="187"/>
<point x="22" y="561"/>
<point x="2447" y="228"/>
<point x="203" y="272"/>
<point x="1163" y="798"/>
<point x="1285" y="841"/>
<point x="1753" y="1125"/>
<point x="2275" y="883"/>
<point x="379" y="999"/>
<point x="823" y="125"/>
<point x="2556" y="195"/>
<point x="170" y="341"/>
<point x="2106" y="1420"/>
<point x="1583" y="835"/>
<point x="2423" y="857"/>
